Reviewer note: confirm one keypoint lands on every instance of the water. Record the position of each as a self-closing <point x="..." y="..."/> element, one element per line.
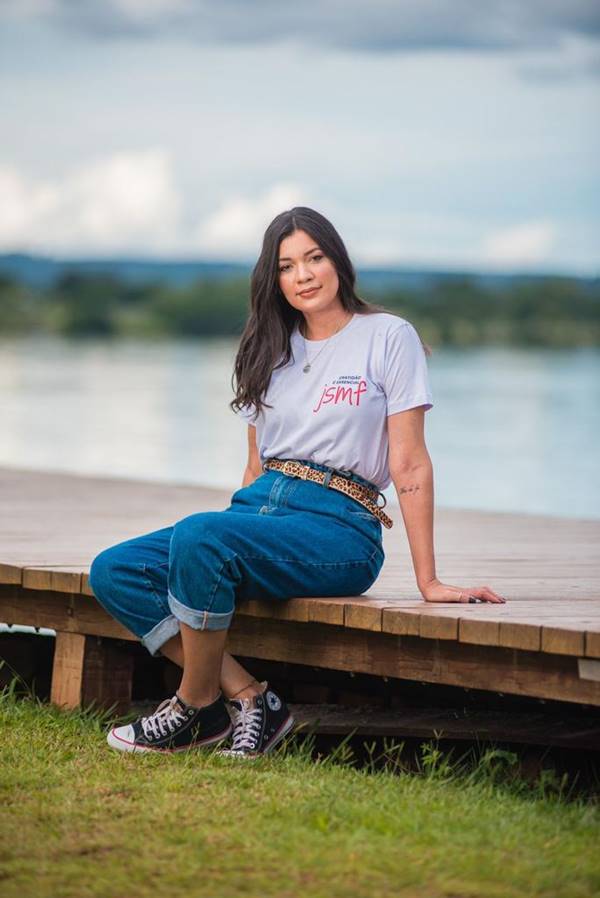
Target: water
<point x="511" y="429"/>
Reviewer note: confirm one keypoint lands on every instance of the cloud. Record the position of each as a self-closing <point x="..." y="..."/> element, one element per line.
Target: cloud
<point x="523" y="245"/>
<point x="236" y="227"/>
<point x="127" y="200"/>
<point x="130" y="202"/>
<point x="561" y="71"/>
<point x="380" y="26"/>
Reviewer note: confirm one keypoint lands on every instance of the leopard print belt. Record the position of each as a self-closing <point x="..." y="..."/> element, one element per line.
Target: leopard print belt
<point x="366" y="497"/>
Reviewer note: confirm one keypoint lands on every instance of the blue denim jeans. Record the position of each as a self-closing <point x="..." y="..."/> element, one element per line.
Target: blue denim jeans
<point x="280" y="537"/>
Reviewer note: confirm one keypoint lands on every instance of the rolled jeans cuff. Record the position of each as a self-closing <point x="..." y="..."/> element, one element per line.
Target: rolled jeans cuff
<point x="161" y="633"/>
<point x="199" y="620"/>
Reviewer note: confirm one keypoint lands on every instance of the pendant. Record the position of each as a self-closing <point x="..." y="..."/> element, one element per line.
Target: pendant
<point x="306" y="369"/>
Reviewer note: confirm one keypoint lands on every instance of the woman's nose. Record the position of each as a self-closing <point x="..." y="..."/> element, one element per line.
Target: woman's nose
<point x="303" y="273"/>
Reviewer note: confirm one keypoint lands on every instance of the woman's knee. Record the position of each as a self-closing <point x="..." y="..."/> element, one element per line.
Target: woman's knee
<point x="102" y="570"/>
<point x="193" y="531"/>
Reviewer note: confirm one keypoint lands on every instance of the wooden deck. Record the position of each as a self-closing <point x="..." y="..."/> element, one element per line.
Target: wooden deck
<point x="544" y="642"/>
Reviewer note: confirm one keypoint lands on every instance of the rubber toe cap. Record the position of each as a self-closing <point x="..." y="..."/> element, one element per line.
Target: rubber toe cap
<point x="121" y="738"/>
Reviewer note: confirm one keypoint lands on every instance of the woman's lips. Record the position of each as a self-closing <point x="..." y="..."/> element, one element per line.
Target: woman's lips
<point x="308" y="293"/>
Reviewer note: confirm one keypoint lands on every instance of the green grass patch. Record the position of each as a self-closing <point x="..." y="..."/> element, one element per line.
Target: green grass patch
<point x="82" y="820"/>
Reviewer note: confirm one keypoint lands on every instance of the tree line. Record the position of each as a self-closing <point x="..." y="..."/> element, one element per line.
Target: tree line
<point x="460" y="311"/>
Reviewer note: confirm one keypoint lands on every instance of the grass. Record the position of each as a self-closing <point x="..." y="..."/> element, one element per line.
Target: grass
<point x="81" y="820"/>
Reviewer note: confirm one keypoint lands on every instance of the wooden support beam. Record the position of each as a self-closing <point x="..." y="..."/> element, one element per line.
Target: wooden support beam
<point x="526" y="728"/>
<point x="89" y="670"/>
<point x="67" y="670"/>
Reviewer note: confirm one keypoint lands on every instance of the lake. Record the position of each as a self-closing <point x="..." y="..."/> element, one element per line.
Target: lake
<point x="511" y="429"/>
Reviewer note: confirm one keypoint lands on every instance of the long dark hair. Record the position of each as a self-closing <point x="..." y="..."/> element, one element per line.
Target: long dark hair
<point x="265" y="341"/>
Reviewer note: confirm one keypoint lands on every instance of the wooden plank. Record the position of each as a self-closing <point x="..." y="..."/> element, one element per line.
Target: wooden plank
<point x="480" y="628"/>
<point x="327" y="611"/>
<point x="49" y="577"/>
<point x="289" y="609"/>
<point x="406" y="657"/>
<point x="437" y="627"/>
<point x="360" y="612"/>
<point x="592" y="644"/>
<point x="479" y="631"/>
<point x="501" y="625"/>
<point x="400" y="623"/>
<point x="363" y="615"/>
<point x="520" y="635"/>
<point x="523" y="609"/>
<point x="563" y="641"/>
<point x="10" y="572"/>
<point x="58" y="611"/>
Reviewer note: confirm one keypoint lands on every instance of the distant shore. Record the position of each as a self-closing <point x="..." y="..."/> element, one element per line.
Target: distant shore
<point x="459" y="311"/>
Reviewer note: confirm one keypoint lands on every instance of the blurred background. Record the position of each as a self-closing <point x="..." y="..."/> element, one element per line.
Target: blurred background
<point x="147" y="144"/>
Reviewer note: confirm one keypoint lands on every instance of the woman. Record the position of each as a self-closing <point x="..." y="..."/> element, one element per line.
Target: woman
<point x="338" y="388"/>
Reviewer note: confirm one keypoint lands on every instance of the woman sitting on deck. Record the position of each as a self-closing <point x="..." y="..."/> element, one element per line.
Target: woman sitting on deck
<point x="334" y="390"/>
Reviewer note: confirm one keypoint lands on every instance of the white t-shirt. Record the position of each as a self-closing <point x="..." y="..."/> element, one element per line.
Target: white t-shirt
<point x="335" y="415"/>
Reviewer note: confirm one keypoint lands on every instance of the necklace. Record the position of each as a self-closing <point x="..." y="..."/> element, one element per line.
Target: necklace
<point x="308" y="364"/>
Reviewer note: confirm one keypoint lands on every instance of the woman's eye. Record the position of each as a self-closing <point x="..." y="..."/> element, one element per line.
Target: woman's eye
<point x="315" y="258"/>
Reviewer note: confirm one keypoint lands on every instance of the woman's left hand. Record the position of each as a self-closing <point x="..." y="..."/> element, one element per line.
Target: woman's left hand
<point x="441" y="592"/>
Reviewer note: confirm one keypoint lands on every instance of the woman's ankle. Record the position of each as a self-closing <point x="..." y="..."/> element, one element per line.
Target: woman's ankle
<point x="197" y="700"/>
<point x="249" y="691"/>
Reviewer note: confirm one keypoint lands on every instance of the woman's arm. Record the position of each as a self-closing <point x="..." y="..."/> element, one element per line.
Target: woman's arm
<point x="253" y="465"/>
<point x="412" y="473"/>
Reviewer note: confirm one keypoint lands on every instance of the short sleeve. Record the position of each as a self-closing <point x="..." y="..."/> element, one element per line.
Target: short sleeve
<point x="247" y="413"/>
<point x="406" y="378"/>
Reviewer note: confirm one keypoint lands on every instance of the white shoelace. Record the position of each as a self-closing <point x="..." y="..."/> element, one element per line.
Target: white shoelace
<point x="246" y="726"/>
<point x="167" y="714"/>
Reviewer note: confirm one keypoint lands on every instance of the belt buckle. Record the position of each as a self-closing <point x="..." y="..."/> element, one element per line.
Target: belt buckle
<point x="290" y="468"/>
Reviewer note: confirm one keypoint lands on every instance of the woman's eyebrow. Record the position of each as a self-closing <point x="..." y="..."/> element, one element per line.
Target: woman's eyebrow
<point x="287" y="258"/>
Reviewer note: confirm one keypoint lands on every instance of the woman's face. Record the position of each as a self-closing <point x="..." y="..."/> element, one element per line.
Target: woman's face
<point x="302" y="267"/>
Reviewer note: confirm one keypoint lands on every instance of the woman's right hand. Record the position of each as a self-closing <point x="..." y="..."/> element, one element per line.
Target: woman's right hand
<point x="436" y="591"/>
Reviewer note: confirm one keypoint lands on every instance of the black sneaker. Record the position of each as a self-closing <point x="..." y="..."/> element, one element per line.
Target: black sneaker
<point x="174" y="726"/>
<point x="259" y="724"/>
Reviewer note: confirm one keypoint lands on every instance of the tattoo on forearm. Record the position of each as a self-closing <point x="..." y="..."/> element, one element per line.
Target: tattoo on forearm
<point x="409" y="489"/>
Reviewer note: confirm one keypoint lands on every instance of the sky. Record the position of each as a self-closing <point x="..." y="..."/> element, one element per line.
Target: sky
<point x="454" y="134"/>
